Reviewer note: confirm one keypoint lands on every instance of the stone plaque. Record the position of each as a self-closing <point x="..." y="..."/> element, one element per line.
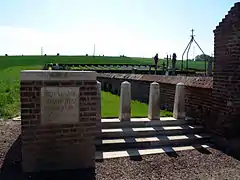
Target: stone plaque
<point x="59" y="105"/>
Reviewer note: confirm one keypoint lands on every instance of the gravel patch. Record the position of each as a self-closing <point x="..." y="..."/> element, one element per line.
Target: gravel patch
<point x="193" y="164"/>
<point x="209" y="164"/>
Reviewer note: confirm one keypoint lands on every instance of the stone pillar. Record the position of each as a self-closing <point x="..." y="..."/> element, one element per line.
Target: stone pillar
<point x="58" y="119"/>
<point x="125" y="102"/>
<point x="99" y="101"/>
<point x="179" y="102"/>
<point x="99" y="108"/>
<point x="153" y="105"/>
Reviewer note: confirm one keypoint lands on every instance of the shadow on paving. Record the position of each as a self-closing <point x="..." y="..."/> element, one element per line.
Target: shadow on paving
<point x="134" y="155"/>
<point x="11" y="169"/>
<point x="86" y="174"/>
<point x="229" y="151"/>
<point x="168" y="150"/>
<point x="201" y="149"/>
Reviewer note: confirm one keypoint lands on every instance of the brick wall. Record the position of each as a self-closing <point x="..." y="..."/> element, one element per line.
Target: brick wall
<point x="226" y="81"/>
<point x="68" y="144"/>
<point x="198" y="91"/>
<point x="198" y="104"/>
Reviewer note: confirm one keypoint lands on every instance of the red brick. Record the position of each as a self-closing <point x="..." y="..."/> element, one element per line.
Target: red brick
<point x="48" y="139"/>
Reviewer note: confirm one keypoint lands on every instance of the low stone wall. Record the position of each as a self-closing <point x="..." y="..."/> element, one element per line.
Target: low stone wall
<point x="197" y="97"/>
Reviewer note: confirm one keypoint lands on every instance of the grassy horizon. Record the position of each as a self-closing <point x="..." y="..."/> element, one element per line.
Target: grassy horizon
<point x="9" y="61"/>
<point x="10" y="67"/>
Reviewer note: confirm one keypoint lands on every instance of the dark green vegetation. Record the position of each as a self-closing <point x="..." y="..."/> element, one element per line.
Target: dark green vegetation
<point x="203" y="57"/>
<point x="10" y="67"/>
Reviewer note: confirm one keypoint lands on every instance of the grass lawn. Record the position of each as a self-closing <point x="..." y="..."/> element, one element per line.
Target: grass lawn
<point x="111" y="106"/>
<point x="10" y="67"/>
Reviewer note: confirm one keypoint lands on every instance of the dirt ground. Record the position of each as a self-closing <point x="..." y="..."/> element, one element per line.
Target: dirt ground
<point x="195" y="164"/>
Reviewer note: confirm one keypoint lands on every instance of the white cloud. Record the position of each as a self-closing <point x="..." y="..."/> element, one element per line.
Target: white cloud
<point x="109" y="40"/>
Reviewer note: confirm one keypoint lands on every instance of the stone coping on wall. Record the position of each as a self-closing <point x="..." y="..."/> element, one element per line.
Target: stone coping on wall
<point x="200" y="82"/>
<point x="56" y="75"/>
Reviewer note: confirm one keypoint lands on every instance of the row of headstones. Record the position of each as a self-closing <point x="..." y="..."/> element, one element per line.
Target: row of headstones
<point x="124" y="67"/>
<point x="154" y="101"/>
<point x="119" y="67"/>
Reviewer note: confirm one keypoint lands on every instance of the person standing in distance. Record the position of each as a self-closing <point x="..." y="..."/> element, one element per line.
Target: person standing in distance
<point x="174" y="59"/>
<point x="156" y="62"/>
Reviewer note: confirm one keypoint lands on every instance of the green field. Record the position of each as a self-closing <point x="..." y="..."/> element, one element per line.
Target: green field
<point x="111" y="106"/>
<point x="9" y="61"/>
<point x="10" y="67"/>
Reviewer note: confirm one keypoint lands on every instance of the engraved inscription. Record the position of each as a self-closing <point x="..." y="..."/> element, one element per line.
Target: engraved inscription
<point x="59" y="104"/>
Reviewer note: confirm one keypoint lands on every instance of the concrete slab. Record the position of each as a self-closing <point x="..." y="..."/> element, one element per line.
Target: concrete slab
<point x="151" y="139"/>
<point x="144" y="122"/>
<point x="136" y="152"/>
<point x="167" y="128"/>
<point x="143" y="129"/>
<point x="138" y="119"/>
<point x="112" y="130"/>
<point x="18" y="118"/>
<point x="132" y="119"/>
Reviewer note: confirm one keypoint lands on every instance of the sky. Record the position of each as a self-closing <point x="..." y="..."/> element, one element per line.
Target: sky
<point x="138" y="28"/>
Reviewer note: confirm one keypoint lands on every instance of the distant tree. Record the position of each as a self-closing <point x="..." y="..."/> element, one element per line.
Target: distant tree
<point x="57" y="54"/>
<point x="86" y="54"/>
<point x="45" y="54"/>
<point x="103" y="55"/>
<point x="202" y="57"/>
<point x="6" y="54"/>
